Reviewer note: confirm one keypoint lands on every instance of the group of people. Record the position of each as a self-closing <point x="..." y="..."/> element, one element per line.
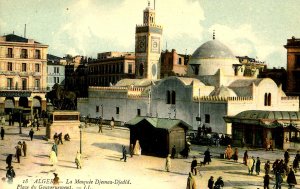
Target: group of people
<point x="191" y="182"/>
<point x="58" y="138"/>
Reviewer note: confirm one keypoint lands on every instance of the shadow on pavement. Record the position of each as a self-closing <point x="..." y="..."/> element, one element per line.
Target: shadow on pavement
<point x="43" y="164"/>
<point x="117" y="159"/>
<point x="212" y="168"/>
<point x="41" y="156"/>
<point x="67" y="166"/>
<point x="160" y="170"/>
<point x="245" y="173"/>
<point x="110" y="146"/>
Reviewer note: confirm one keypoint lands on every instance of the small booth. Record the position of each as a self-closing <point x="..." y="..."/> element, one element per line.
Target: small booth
<point x="257" y="128"/>
<point x="157" y="136"/>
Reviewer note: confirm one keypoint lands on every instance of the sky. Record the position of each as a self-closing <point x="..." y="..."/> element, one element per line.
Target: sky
<point x="254" y="28"/>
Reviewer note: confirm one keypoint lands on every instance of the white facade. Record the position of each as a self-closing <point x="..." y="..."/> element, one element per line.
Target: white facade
<point x="56" y="74"/>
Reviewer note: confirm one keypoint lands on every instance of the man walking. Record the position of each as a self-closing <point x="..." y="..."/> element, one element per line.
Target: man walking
<point x="2" y="133"/>
<point x="10" y="174"/>
<point x="124" y="152"/>
<point x="31" y="132"/>
<point x="99" y="122"/>
<point x="60" y="138"/>
<point x="18" y="152"/>
<point x="24" y="148"/>
<point x="9" y="160"/>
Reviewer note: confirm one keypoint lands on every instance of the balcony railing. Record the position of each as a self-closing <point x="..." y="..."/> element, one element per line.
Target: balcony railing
<point x="32" y="89"/>
<point x="9" y="55"/>
<point x="23" y="55"/>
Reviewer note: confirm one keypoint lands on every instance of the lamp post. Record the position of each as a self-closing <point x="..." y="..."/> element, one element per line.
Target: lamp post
<point x="20" y="120"/>
<point x="80" y="141"/>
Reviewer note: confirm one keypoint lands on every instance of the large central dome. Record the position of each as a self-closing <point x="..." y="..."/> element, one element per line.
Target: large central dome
<point x="213" y="49"/>
<point x="211" y="57"/>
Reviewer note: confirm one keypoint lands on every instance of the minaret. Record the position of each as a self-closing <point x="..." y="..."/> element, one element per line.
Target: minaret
<point x="148" y="39"/>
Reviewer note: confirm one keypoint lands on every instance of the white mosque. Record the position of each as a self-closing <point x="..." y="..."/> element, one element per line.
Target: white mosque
<point x="215" y="89"/>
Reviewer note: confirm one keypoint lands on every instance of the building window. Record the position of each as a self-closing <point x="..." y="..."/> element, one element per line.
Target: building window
<point x="173" y="97"/>
<point x="9" y="66"/>
<point x="117" y="110"/>
<point x="97" y="108"/>
<point x="56" y="79"/>
<point x="297" y="61"/>
<point x="24" y="53"/>
<point x="267" y="100"/>
<point x="37" y="84"/>
<point x="207" y="118"/>
<point x="24" y="84"/>
<point x="179" y="61"/>
<point x="168" y="97"/>
<point x="138" y="112"/>
<point x="37" y="54"/>
<point x="196" y="70"/>
<point x="9" y="83"/>
<point x="56" y="70"/>
<point x="9" y="53"/>
<point x="24" y="67"/>
<point x="141" y="69"/>
<point x="129" y="68"/>
<point x="37" y="68"/>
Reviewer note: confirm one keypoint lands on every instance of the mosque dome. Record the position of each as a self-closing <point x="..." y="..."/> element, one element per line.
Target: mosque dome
<point x="213" y="49"/>
<point x="211" y="57"/>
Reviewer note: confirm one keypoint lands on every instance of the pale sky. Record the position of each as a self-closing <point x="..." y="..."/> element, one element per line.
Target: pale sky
<point x="256" y="28"/>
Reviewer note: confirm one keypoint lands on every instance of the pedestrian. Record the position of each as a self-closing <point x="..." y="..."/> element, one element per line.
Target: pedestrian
<point x="266" y="181"/>
<point x="173" y="153"/>
<point x="291" y="179"/>
<point x="67" y="137"/>
<point x="2" y="133"/>
<point x="131" y="150"/>
<point x="54" y="148"/>
<point x="194" y="166"/>
<point x="55" y="138"/>
<point x="286" y="157"/>
<point x="78" y="160"/>
<point x="236" y="155"/>
<point x="245" y="158"/>
<point x="137" y="148"/>
<point x="207" y="158"/>
<point x="124" y="153"/>
<point x="53" y="158"/>
<point x="219" y="183"/>
<point x="10" y="119"/>
<point x="228" y="152"/>
<point x="267" y="167"/>
<point x="278" y="180"/>
<point x="31" y="132"/>
<point x="191" y="182"/>
<point x="56" y="179"/>
<point x="250" y="165"/>
<point x="18" y="152"/>
<point x="257" y="166"/>
<point x="37" y="125"/>
<point x="60" y="138"/>
<point x="9" y="160"/>
<point x="10" y="174"/>
<point x="296" y="163"/>
<point x="24" y="148"/>
<point x="112" y="123"/>
<point x="168" y="163"/>
<point x="210" y="183"/>
<point x="99" y="122"/>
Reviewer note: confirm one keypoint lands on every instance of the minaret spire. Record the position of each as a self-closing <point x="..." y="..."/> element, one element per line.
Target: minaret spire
<point x="214" y="35"/>
<point x="148" y="3"/>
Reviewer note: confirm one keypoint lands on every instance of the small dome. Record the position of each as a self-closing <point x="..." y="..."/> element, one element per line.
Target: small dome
<point x="213" y="49"/>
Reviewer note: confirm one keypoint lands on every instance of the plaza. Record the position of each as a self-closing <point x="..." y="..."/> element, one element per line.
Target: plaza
<point x="102" y="167"/>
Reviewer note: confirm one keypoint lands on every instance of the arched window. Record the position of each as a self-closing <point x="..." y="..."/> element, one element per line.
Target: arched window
<point x="196" y="70"/>
<point x="168" y="97"/>
<point x="266" y="99"/>
<point x="173" y="98"/>
<point x="269" y="99"/>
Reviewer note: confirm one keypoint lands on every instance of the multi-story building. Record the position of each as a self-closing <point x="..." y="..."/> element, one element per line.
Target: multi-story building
<point x="110" y="67"/>
<point x="55" y="72"/>
<point x="23" y="73"/>
<point x="293" y="66"/>
<point x="76" y="72"/>
<point x="173" y="64"/>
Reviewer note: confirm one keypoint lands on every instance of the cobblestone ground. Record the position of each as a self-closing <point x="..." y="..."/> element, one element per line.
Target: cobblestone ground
<point x="102" y="167"/>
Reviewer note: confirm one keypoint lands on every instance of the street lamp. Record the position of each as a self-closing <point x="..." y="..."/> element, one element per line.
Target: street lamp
<point x="20" y="117"/>
<point x="80" y="131"/>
